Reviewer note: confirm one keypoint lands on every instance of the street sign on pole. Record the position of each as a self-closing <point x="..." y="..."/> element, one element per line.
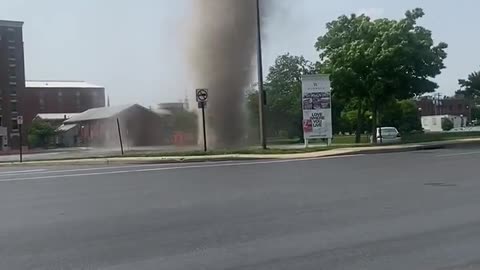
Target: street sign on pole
<point x="204" y="127"/>
<point x="202" y="95"/>
<point x="202" y="98"/>
<point x="20" y="123"/>
<point x="20" y="120"/>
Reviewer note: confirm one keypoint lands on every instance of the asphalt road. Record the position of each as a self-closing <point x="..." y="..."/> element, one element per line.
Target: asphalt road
<point x="416" y="210"/>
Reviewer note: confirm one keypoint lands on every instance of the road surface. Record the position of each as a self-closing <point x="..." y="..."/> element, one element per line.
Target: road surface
<point x="415" y="210"/>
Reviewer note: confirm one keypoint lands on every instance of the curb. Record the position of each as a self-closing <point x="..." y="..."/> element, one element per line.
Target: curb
<point x="238" y="157"/>
<point x="424" y="147"/>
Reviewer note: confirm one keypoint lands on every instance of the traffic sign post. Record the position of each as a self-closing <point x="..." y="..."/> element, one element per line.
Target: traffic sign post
<point x="20" y="123"/>
<point x="202" y="95"/>
<point x="202" y="98"/>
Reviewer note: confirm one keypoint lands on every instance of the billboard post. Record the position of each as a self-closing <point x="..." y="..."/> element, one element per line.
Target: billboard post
<point x="317" y="108"/>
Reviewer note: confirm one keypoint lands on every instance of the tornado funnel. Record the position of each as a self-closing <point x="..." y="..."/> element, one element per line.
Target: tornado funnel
<point x="222" y="48"/>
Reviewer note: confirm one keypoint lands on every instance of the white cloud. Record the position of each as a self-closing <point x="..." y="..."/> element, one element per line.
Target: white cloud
<point x="373" y="13"/>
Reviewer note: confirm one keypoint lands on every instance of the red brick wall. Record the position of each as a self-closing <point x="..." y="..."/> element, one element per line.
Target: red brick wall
<point x="445" y="106"/>
<point x="52" y="100"/>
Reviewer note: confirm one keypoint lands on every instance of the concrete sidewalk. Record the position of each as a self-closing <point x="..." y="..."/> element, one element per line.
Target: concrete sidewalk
<point x="319" y="154"/>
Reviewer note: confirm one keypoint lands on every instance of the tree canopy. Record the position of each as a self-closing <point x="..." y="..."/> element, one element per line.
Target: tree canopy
<point x="470" y="87"/>
<point x="378" y="61"/>
<point x="284" y="88"/>
<point x="376" y="68"/>
<point x="40" y="134"/>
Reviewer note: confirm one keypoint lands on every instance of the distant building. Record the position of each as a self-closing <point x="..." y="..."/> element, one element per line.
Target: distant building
<point x="173" y="107"/>
<point x="433" y="123"/>
<point x="12" y="82"/>
<point x="64" y="97"/>
<point x="139" y="126"/>
<point x="457" y="106"/>
<point x="54" y="119"/>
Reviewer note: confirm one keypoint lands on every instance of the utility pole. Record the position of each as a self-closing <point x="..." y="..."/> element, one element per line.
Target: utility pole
<point x="261" y="93"/>
<point x="120" y="137"/>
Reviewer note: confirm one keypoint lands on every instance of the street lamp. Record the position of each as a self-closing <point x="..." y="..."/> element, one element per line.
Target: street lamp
<point x="420" y="111"/>
<point x="261" y="92"/>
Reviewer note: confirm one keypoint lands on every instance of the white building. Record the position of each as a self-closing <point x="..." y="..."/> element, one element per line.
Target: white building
<point x="433" y="123"/>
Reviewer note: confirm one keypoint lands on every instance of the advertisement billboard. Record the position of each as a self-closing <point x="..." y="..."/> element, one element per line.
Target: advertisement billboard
<point x="317" y="107"/>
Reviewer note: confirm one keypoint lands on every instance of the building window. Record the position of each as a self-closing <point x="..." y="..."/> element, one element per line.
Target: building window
<point x="460" y="107"/>
<point x="11" y="36"/>
<point x="60" y="94"/>
<point x="12" y="48"/>
<point x="12" y="83"/>
<point x="1" y="118"/>
<point x="13" y="91"/>
<point x="41" y="101"/>
<point x="12" y="74"/>
<point x="13" y="107"/>
<point x="14" y="124"/>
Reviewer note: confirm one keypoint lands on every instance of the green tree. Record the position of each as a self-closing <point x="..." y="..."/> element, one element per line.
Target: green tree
<point x="402" y="115"/>
<point x="378" y="61"/>
<point x="447" y="124"/>
<point x="470" y="87"/>
<point x="284" y="87"/>
<point x="40" y="134"/>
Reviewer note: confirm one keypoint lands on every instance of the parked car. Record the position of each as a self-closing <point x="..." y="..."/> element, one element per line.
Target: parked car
<point x="387" y="135"/>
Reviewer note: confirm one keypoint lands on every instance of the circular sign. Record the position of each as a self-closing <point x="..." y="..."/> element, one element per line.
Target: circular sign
<point x="202" y="95"/>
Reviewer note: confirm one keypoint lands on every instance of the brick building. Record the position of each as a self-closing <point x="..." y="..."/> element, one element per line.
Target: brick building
<point x="12" y="82"/>
<point x="457" y="106"/>
<point x="60" y="97"/>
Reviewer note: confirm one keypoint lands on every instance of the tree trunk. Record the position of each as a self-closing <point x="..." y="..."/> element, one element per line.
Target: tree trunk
<point x="358" y="133"/>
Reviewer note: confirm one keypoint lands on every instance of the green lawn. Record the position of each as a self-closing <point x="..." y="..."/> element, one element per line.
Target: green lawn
<point x="406" y="138"/>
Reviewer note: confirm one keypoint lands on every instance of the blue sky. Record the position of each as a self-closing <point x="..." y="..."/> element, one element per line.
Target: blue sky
<point x="134" y="48"/>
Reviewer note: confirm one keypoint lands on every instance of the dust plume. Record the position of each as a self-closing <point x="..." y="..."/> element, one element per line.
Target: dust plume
<point x="222" y="52"/>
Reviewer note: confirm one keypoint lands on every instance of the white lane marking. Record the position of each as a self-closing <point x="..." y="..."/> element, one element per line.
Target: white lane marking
<point x="173" y="168"/>
<point x="45" y="171"/>
<point x="460" y="154"/>
<point x="23" y="172"/>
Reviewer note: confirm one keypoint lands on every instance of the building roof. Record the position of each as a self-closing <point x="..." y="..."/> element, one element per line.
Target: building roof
<point x="11" y="23"/>
<point x="55" y="116"/>
<point x="60" y="84"/>
<point x="162" y="112"/>
<point x="66" y="127"/>
<point x="100" y="113"/>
